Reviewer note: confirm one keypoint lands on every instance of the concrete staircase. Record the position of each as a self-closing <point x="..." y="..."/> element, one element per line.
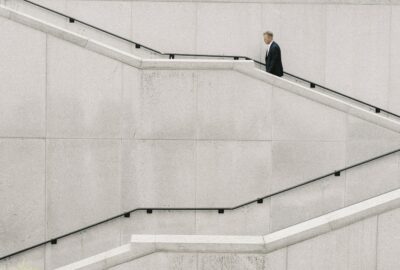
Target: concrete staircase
<point x="179" y="118"/>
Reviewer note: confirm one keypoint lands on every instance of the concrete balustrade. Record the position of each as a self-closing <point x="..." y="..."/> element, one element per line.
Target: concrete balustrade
<point x="100" y="131"/>
<point x="344" y="239"/>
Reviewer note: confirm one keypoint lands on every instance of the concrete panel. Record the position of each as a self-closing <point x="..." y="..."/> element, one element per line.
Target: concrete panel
<point x="220" y="261"/>
<point x="297" y="162"/>
<point x="33" y="259"/>
<point x="161" y="260"/>
<point x="22" y="193"/>
<point x="158" y="173"/>
<point x="359" y="129"/>
<point x="394" y="83"/>
<point x="297" y="118"/>
<point x="84" y="93"/>
<point x="302" y="38"/>
<point x="208" y="261"/>
<point x="276" y="260"/>
<point x="83" y="183"/>
<point x="355" y="65"/>
<point x="233" y="106"/>
<point x="307" y="202"/>
<point x="159" y="222"/>
<point x="353" y="247"/>
<point x="66" y="251"/>
<point x="373" y="179"/>
<point x="250" y="220"/>
<point x="224" y="29"/>
<point x="388" y="240"/>
<point x="23" y="77"/>
<point x="130" y="100"/>
<point x="167" y="105"/>
<point x="232" y="172"/>
<point x="169" y="27"/>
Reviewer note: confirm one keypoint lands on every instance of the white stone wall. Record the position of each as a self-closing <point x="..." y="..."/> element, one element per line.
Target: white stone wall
<point x="351" y="46"/>
<point x="84" y="137"/>
<point x="369" y="244"/>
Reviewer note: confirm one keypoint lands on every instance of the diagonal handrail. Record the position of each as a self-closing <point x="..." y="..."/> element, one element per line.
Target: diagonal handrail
<point x="220" y="210"/>
<point x="138" y="45"/>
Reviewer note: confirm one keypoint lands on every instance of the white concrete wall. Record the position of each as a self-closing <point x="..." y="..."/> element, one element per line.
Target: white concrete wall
<point x="372" y="243"/>
<point x="84" y="137"/>
<point x="351" y="46"/>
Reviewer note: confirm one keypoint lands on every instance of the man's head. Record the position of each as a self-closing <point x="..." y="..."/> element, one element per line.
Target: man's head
<point x="268" y="37"/>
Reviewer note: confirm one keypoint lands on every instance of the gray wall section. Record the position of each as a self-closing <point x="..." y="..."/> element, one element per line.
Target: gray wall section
<point x="84" y="137"/>
<point x="372" y="244"/>
<point x="351" y="46"/>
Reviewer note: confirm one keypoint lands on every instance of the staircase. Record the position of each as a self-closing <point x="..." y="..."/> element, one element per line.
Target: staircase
<point x="182" y="147"/>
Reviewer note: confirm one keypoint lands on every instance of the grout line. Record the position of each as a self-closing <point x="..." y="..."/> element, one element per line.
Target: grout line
<point x="45" y="154"/>
<point x="376" y="241"/>
<point x="171" y="139"/>
<point x="287" y="258"/>
<point x="390" y="60"/>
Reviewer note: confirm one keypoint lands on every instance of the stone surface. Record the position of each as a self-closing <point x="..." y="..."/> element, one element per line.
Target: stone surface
<point x="388" y="240"/>
<point x="22" y="175"/>
<point x="297" y="118"/>
<point x="307" y="202"/>
<point x="240" y="170"/>
<point x="23" y="77"/>
<point x="180" y="25"/>
<point x="165" y="261"/>
<point x="394" y="81"/>
<point x="230" y="106"/>
<point x="353" y="65"/>
<point x="295" y="162"/>
<point x="33" y="259"/>
<point x="352" y="247"/>
<point x="84" y="93"/>
<point x="229" y="32"/>
<point x="167" y="107"/>
<point x="86" y="174"/>
<point x="130" y="100"/>
<point x="373" y="179"/>
<point x="159" y="173"/>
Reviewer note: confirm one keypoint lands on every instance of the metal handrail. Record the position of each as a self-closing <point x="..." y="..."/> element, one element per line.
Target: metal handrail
<point x="220" y="210"/>
<point x="235" y="57"/>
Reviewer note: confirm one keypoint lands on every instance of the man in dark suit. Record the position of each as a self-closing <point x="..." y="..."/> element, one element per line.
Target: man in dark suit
<point x="273" y="58"/>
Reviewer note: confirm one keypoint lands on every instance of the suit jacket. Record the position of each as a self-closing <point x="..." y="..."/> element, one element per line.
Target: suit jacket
<point x="273" y="60"/>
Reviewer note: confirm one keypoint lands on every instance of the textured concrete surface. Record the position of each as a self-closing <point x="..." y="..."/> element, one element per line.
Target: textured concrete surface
<point x="141" y="132"/>
<point x="23" y="76"/>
